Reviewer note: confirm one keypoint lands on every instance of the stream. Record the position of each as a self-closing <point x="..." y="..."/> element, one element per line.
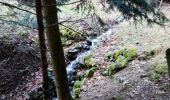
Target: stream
<point x="78" y="62"/>
<point x="75" y="63"/>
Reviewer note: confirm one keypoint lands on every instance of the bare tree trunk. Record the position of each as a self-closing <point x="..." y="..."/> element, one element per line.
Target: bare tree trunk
<point x="42" y="48"/>
<point x="56" y="49"/>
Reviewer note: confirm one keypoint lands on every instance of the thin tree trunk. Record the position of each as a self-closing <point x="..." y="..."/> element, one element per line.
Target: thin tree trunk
<point x="56" y="49"/>
<point x="42" y="48"/>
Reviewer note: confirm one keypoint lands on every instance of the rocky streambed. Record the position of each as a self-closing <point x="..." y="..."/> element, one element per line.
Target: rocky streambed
<point x="74" y="58"/>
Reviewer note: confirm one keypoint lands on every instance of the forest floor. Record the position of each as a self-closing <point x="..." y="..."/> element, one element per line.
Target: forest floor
<point x="139" y="80"/>
<point x="19" y="66"/>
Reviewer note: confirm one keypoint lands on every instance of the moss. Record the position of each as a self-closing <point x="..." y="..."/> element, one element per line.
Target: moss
<point x="76" y="93"/>
<point x="77" y="84"/>
<point x="161" y="69"/>
<point x="130" y="53"/>
<point x="63" y="40"/>
<point x="158" y="67"/>
<point x="111" y="69"/>
<point x="89" y="61"/>
<point x="154" y="76"/>
<point x="116" y="54"/>
<point x="77" y="88"/>
<point x="147" y="54"/>
<point x="124" y="62"/>
<point x="69" y="34"/>
<point x="121" y="58"/>
<point x="108" y="55"/>
<point x="90" y="72"/>
<point x="119" y="98"/>
<point x="150" y="52"/>
<point x="127" y="53"/>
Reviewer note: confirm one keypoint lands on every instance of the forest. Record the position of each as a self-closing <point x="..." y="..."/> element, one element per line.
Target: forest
<point x="84" y="50"/>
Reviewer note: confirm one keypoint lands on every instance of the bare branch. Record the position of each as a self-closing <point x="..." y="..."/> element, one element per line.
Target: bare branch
<point x="68" y="3"/>
<point x="70" y="21"/>
<point x="12" y="6"/>
<point x="84" y="34"/>
<point x="17" y="23"/>
<point x="61" y="4"/>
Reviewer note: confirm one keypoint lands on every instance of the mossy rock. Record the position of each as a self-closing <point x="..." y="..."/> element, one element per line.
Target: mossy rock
<point x="121" y="58"/>
<point x="147" y="54"/>
<point x="76" y="93"/>
<point x="127" y="53"/>
<point x="150" y="52"/>
<point x="89" y="61"/>
<point x="69" y="34"/>
<point x="77" y="84"/>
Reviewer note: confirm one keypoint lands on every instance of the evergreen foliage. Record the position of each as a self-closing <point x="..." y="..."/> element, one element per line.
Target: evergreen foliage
<point x="137" y="9"/>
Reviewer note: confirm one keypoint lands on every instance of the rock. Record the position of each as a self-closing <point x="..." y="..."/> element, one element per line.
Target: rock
<point x="71" y="83"/>
<point x="72" y="54"/>
<point x="144" y="75"/>
<point x="121" y="79"/>
<point x="86" y="47"/>
<point x="89" y="42"/>
<point x="69" y="42"/>
<point x="79" y="47"/>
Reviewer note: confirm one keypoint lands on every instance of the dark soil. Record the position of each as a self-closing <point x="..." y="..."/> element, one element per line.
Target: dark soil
<point x="18" y="65"/>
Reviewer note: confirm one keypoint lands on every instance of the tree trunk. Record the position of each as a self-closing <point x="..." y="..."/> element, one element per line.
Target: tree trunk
<point x="42" y="48"/>
<point x="56" y="49"/>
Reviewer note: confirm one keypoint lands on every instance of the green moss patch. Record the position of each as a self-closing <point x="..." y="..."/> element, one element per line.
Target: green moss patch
<point x="158" y="67"/>
<point x="89" y="73"/>
<point x="89" y="62"/>
<point x="78" y="84"/>
<point x="77" y="88"/>
<point x="67" y="34"/>
<point x="147" y="54"/>
<point x="121" y="59"/>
